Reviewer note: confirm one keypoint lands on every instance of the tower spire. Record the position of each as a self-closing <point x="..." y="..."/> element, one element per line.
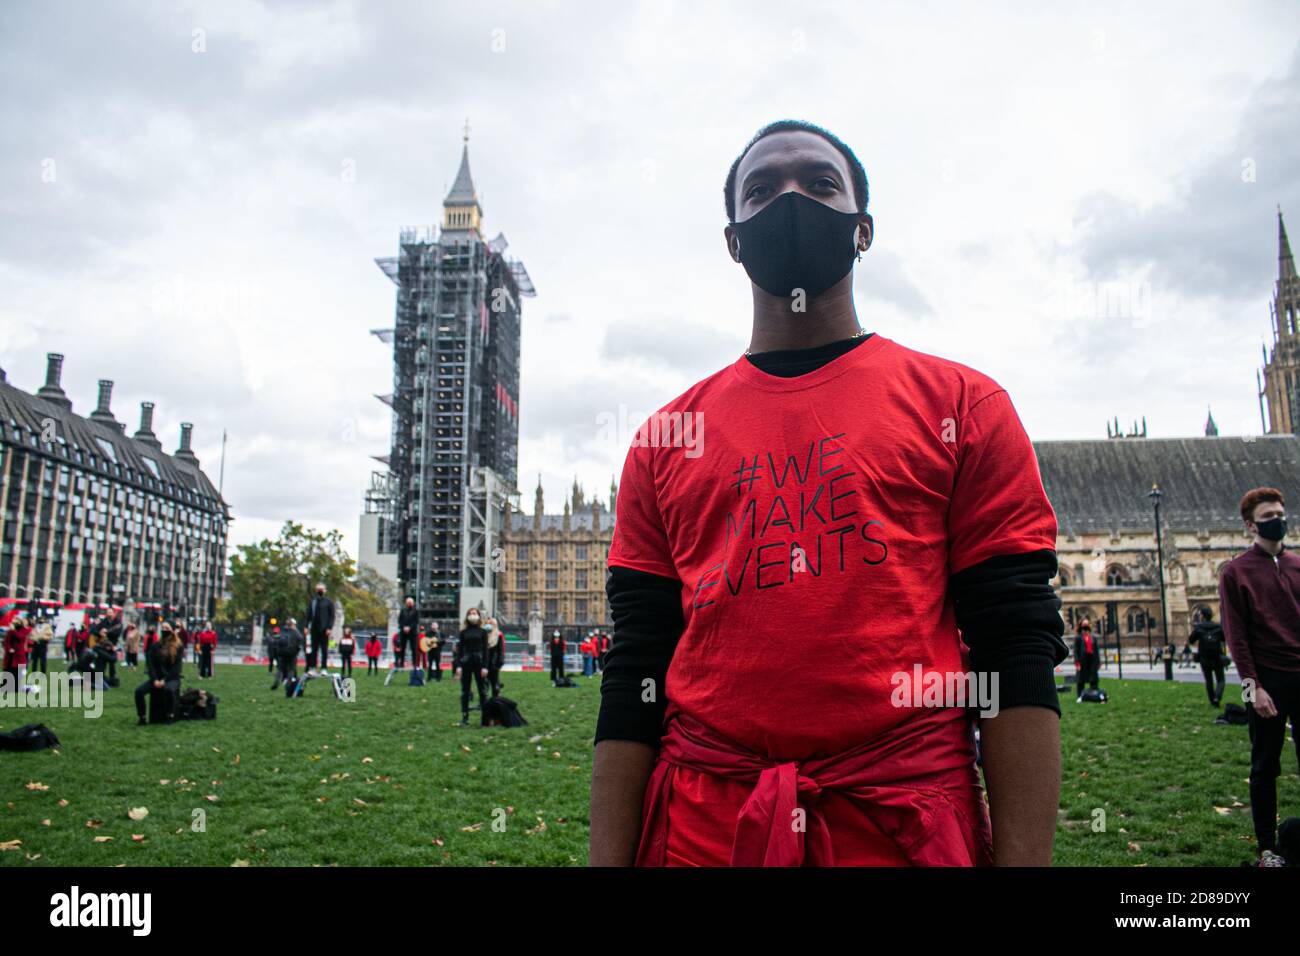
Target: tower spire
<point x="1285" y="261"/>
<point x="461" y="211"/>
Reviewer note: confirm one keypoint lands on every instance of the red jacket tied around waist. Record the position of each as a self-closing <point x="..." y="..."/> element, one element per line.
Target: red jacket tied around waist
<point x="913" y="782"/>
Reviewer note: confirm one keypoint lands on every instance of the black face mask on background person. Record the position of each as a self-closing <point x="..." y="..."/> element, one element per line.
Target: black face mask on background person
<point x="797" y="243"/>
<point x="1274" y="529"/>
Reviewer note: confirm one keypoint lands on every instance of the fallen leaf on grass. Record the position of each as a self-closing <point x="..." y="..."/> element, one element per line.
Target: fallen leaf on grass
<point x="137" y="813"/>
<point x="163" y="783"/>
<point x="1223" y="811"/>
<point x="37" y="786"/>
<point x="236" y="760"/>
<point x="63" y="803"/>
<point x="359" y="802"/>
<point x="1134" y="847"/>
<point x="10" y="844"/>
<point x="472" y="828"/>
<point x="216" y="750"/>
<point x="137" y="837"/>
<point x="103" y="839"/>
<point x="240" y="863"/>
<point x="94" y="824"/>
<point x="45" y="823"/>
<point x="366" y="760"/>
<point x="33" y="856"/>
<point x="436" y="842"/>
<point x="212" y="798"/>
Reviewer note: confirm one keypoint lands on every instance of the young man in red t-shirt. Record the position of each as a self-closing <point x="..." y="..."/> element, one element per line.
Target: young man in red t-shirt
<point x="860" y="513"/>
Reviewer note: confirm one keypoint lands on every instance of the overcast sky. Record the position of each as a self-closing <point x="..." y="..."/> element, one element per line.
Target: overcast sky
<point x="194" y="193"/>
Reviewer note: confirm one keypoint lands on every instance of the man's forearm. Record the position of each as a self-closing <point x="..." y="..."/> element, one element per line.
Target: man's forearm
<point x="619" y="772"/>
<point x="1022" y="771"/>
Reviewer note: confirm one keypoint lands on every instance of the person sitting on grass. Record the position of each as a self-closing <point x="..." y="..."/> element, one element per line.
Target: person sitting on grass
<point x="164" y="662"/>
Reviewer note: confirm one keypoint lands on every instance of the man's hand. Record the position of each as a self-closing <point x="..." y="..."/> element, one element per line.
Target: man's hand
<point x="456" y="673"/>
<point x="1263" y="704"/>
<point x="482" y="672"/>
<point x="158" y="684"/>
<point x="1022" y="772"/>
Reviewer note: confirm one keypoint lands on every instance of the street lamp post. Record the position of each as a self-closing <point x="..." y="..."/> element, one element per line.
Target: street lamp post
<point x="1155" y="495"/>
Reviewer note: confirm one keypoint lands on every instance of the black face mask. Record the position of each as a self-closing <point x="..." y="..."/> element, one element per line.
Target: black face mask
<point x="1274" y="529"/>
<point x="797" y="243"/>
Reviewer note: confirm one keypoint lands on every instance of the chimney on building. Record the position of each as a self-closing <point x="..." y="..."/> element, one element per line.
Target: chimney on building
<point x="185" y="451"/>
<point x="52" y="391"/>
<point x="103" y="413"/>
<point x="145" y="435"/>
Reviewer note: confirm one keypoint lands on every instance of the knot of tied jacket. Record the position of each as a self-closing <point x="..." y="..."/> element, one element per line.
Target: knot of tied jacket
<point x="908" y="780"/>
<point x="780" y="824"/>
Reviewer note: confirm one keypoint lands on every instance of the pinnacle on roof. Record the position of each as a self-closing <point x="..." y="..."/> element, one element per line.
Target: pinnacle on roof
<point x="462" y="190"/>
<point x="1285" y="261"/>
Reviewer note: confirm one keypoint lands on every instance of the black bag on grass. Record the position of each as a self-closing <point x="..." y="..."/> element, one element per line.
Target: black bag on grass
<point x="1232" y="714"/>
<point x="195" y="704"/>
<point x="1093" y="695"/>
<point x="29" y="737"/>
<point x="501" y="712"/>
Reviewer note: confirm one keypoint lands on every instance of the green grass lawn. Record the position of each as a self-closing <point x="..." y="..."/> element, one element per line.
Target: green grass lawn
<point x="391" y="780"/>
<point x="388" y="780"/>
<point x="1172" y="784"/>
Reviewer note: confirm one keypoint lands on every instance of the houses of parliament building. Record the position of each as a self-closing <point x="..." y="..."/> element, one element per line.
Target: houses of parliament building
<point x="1105" y="493"/>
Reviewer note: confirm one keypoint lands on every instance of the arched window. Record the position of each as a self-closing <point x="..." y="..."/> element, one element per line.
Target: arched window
<point x="1114" y="576"/>
<point x="1064" y="575"/>
<point x="1136" y="620"/>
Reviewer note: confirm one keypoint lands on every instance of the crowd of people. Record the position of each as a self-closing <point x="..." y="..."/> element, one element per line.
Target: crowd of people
<point x="93" y="647"/>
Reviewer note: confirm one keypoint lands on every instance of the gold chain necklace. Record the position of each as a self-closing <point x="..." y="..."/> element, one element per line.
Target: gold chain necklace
<point x="856" y="335"/>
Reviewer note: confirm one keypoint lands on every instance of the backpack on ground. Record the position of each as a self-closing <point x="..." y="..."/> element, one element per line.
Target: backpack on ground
<point x="1232" y="714"/>
<point x="1093" y="695"/>
<point x="29" y="737"/>
<point x="195" y="704"/>
<point x="501" y="712"/>
<point x="416" y="678"/>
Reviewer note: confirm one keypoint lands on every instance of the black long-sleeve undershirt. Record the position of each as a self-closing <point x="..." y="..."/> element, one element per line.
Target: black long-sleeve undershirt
<point x="1005" y="606"/>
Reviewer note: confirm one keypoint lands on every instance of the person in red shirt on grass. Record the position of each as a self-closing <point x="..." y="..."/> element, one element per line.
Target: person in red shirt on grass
<point x="374" y="647"/>
<point x="16" y="644"/>
<point x="860" y="513"/>
<point x="70" y="646"/>
<point x="206" y="640"/>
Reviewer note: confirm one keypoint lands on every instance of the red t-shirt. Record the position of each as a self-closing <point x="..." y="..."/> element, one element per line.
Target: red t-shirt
<point x="813" y="522"/>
